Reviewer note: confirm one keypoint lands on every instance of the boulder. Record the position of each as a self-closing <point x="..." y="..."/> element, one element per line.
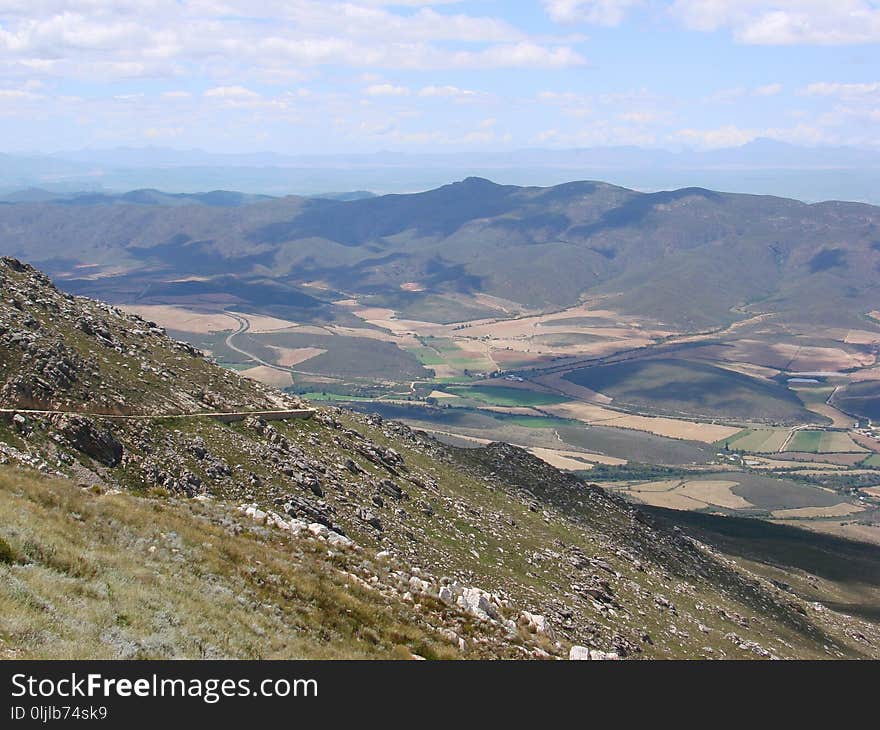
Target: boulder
<point x="582" y="653"/>
<point x="84" y="436"/>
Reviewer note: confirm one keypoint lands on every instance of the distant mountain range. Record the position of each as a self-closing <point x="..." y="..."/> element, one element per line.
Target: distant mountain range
<point x="692" y="258"/>
<point x="762" y="166"/>
<point x="759" y="154"/>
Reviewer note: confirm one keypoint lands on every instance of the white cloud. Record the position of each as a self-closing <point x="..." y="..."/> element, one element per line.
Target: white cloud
<point x="729" y="96"/>
<point x="230" y="92"/>
<point x="844" y="91"/>
<point x="19" y="94"/>
<point x="768" y="90"/>
<point x="269" y="40"/>
<point x="162" y="132"/>
<point x="727" y="136"/>
<point x="446" y="91"/>
<point x="386" y="90"/>
<point x="784" y="22"/>
<point x="595" y="12"/>
<point x="733" y="136"/>
<point x="643" y="117"/>
<point x="518" y="55"/>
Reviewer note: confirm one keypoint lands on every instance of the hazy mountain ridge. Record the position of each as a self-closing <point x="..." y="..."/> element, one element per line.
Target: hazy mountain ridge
<point x="763" y="165"/>
<point x="537" y="246"/>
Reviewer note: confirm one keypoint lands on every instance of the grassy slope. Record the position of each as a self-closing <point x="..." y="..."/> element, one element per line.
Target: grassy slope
<point x="115" y="576"/>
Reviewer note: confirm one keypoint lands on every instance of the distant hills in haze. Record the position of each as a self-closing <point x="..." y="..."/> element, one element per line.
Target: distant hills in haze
<point x="539" y="247"/>
<point x="758" y="154"/>
<point x="763" y="166"/>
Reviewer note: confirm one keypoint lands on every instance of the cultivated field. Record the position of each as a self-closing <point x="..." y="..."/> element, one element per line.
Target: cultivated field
<point x="756" y="440"/>
<point x="668" y="427"/>
<point x="823" y="442"/>
<point x="837" y="510"/>
<point x="689" y="388"/>
<point x="739" y="492"/>
<point x="505" y="396"/>
<point x="696" y="494"/>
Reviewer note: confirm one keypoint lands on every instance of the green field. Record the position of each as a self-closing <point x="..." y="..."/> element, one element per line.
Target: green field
<point x="535" y="421"/>
<point x="428" y="357"/>
<point x="872" y="461"/>
<point x="823" y="442"/>
<point x="808" y="441"/>
<point x="497" y="395"/>
<point x="756" y="440"/>
<point x="335" y="397"/>
<point x="670" y="386"/>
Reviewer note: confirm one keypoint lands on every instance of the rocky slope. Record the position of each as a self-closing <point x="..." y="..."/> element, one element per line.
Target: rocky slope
<point x="470" y="553"/>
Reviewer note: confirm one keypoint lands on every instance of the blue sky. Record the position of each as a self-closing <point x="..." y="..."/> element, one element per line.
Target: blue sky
<point x="299" y="76"/>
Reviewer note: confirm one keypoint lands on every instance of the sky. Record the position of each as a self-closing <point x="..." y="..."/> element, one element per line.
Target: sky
<point x="304" y="76"/>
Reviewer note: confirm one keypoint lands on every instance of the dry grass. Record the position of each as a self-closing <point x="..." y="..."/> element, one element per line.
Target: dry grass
<point x="835" y="510"/>
<point x="669" y="499"/>
<point x="567" y="460"/>
<point x="718" y="492"/>
<point x="185" y="320"/>
<point x="689" y="495"/>
<point x="115" y="576"/>
<point x="269" y="376"/>
<point x="861" y="337"/>
<point x="670" y="427"/>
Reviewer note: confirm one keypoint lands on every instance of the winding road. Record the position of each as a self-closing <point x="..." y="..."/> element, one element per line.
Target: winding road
<point x="243" y="326"/>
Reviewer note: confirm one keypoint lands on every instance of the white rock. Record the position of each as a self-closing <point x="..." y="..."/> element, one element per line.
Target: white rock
<point x="581" y="653"/>
<point x="477" y="602"/>
<point x="445" y="594"/>
<point x="604" y="655"/>
<point x="318" y="530"/>
<point x="535" y="623"/>
<point x="418" y="585"/>
<point x="335" y="539"/>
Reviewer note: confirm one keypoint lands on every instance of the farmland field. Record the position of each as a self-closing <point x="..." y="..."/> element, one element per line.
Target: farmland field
<point x="501" y="396"/>
<point x="341" y="357"/>
<point x="687" y="388"/>
<point x="761" y="440"/>
<point x="769" y="493"/>
<point x="535" y="421"/>
<point x="688" y="494"/>
<point x="740" y="491"/>
<point x="823" y="442"/>
<point x="556" y="433"/>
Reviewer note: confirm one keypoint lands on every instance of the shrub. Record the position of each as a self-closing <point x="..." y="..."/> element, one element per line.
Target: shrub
<point x="8" y="555"/>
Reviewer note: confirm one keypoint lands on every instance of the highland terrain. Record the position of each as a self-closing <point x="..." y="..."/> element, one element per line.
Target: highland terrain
<point x="154" y="504"/>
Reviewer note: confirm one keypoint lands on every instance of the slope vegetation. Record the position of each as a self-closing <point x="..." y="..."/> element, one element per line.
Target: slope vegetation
<point x="340" y="535"/>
